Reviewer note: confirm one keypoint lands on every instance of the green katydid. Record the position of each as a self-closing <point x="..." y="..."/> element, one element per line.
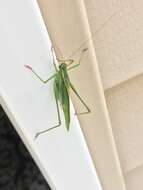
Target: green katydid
<point x="62" y="85"/>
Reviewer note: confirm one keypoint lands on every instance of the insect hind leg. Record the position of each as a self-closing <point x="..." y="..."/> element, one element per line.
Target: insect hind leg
<point x="54" y="127"/>
<point x="81" y="100"/>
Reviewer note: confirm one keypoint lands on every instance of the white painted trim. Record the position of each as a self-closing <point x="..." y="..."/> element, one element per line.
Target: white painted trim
<point x="63" y="157"/>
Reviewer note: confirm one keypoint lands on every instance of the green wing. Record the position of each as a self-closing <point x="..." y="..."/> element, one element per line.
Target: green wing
<point x="61" y="93"/>
<point x="65" y="77"/>
<point x="66" y="105"/>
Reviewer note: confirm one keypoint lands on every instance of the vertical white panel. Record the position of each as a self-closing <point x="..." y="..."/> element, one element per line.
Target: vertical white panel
<point x="62" y="156"/>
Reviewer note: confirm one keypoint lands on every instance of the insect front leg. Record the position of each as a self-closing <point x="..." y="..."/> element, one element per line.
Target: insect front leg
<point x="80" y="59"/>
<point x="43" y="81"/>
<point x="67" y="61"/>
<point x="81" y="100"/>
<point x="73" y="67"/>
<point x="58" y="125"/>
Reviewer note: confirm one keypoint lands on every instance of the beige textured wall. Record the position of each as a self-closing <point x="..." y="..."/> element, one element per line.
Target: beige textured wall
<point x="119" y="42"/>
<point x="68" y="26"/>
<point x="134" y="179"/>
<point x="117" y="26"/>
<point x="125" y="104"/>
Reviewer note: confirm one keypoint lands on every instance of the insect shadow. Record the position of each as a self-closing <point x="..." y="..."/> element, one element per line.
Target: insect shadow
<point x="62" y="85"/>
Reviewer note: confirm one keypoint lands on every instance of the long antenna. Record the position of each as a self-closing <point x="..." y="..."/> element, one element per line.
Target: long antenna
<point x="58" y="50"/>
<point x="92" y="35"/>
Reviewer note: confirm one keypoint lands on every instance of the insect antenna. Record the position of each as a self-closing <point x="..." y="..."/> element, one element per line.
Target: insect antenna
<point x="92" y="35"/>
<point x="58" y="50"/>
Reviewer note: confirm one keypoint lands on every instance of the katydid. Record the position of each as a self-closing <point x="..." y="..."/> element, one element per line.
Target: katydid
<point x="62" y="85"/>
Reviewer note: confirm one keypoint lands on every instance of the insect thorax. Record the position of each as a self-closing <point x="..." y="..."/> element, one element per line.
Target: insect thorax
<point x="62" y="75"/>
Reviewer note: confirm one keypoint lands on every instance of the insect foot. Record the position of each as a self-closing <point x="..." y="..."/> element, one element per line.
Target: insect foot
<point x="28" y="67"/>
<point x="36" y="136"/>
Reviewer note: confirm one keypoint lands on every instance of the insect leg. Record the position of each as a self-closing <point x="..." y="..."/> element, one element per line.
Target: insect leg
<point x="43" y="81"/>
<point x="80" y="59"/>
<point x="67" y="61"/>
<point x="58" y="125"/>
<point x="81" y="100"/>
<point x="52" y="50"/>
<point x="73" y="66"/>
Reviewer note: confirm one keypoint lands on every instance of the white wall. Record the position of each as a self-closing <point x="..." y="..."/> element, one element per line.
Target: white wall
<point x="62" y="157"/>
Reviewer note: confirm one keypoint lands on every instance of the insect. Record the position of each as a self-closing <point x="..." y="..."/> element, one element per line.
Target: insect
<point x="62" y="87"/>
<point x="62" y="84"/>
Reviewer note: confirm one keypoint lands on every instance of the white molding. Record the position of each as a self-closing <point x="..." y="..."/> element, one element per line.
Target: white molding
<point x="62" y="157"/>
